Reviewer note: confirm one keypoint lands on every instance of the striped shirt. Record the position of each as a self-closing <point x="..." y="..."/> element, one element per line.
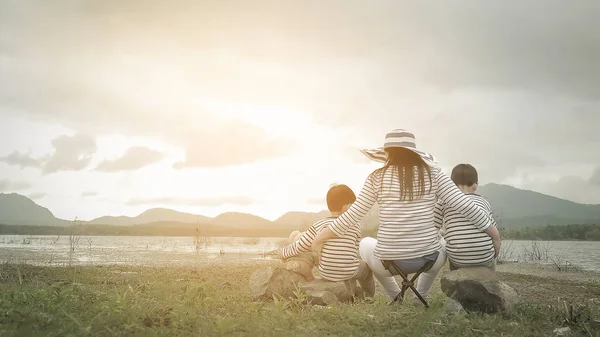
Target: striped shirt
<point x="466" y="244"/>
<point x="406" y="228"/>
<point x="339" y="256"/>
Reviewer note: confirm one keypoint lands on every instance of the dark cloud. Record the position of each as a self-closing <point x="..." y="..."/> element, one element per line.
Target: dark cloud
<point x="206" y="202"/>
<point x="134" y="158"/>
<point x="23" y="160"/>
<point x="86" y="194"/>
<point x="71" y="153"/>
<point x="11" y="186"/>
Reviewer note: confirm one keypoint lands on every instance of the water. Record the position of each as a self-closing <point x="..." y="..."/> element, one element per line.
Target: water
<point x="131" y="250"/>
<point x="161" y="250"/>
<point x="583" y="254"/>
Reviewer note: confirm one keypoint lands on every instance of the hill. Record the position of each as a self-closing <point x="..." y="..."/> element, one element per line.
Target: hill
<point x="515" y="208"/>
<point x="16" y="209"/>
<point x="523" y="208"/>
<point x="150" y="216"/>
<point x="239" y="220"/>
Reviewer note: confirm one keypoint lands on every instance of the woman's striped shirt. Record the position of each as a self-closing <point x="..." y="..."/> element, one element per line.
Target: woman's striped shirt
<point x="339" y="256"/>
<point x="466" y="244"/>
<point x="406" y="228"/>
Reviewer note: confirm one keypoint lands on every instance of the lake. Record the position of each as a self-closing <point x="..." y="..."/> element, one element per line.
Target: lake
<point x="164" y="251"/>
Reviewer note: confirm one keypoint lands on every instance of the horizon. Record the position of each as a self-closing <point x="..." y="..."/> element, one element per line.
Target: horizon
<point x="272" y="218"/>
<point x="257" y="108"/>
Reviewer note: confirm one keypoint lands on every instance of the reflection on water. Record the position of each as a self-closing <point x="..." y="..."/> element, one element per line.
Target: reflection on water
<point x="160" y="250"/>
<point x="131" y="250"/>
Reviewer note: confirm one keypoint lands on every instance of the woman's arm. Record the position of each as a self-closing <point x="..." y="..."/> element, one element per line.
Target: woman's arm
<point x="438" y="217"/>
<point x="493" y="232"/>
<point x="448" y="193"/>
<point x="359" y="209"/>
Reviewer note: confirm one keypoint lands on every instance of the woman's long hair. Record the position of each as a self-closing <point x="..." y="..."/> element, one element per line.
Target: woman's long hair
<point x="405" y="163"/>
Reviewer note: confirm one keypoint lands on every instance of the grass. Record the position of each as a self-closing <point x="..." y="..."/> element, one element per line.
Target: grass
<point x="213" y="300"/>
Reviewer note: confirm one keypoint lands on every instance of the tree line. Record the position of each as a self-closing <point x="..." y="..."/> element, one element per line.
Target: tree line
<point x="154" y="229"/>
<point x="553" y="233"/>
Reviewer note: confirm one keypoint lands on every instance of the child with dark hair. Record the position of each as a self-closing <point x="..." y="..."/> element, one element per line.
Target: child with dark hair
<point x="338" y="260"/>
<point x="467" y="245"/>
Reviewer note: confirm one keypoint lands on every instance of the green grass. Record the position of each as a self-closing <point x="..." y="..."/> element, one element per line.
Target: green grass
<point x="214" y="300"/>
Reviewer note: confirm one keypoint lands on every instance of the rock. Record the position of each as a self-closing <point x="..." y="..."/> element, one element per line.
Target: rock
<point x="321" y="297"/>
<point x="562" y="331"/>
<point x="264" y="283"/>
<point x="452" y="307"/>
<point x="478" y="289"/>
<point x="343" y="291"/>
<point x="300" y="267"/>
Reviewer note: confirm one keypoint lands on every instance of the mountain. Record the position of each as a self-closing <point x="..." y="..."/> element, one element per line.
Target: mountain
<point x="149" y="216"/>
<point x="523" y="208"/>
<point x="241" y="220"/>
<point x="300" y="220"/>
<point x="16" y="209"/>
<point x="514" y="208"/>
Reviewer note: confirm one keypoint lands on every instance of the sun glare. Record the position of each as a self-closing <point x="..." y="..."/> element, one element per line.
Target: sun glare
<point x="276" y="121"/>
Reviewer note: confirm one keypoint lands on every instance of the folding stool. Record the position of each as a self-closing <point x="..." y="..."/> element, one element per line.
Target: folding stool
<point x="394" y="269"/>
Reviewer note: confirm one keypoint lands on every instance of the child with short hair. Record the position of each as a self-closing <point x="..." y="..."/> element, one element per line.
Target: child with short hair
<point x="338" y="260"/>
<point x="466" y="244"/>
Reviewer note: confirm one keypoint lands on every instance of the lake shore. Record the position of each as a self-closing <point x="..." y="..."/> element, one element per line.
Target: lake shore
<point x="549" y="271"/>
<point x="213" y="299"/>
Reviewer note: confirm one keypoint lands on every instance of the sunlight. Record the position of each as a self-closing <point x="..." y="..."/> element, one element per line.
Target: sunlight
<point x="275" y="120"/>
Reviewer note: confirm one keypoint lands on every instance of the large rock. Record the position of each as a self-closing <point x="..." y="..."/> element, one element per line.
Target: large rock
<point x="478" y="289"/>
<point x="344" y="291"/>
<point x="264" y="283"/>
<point x="269" y="281"/>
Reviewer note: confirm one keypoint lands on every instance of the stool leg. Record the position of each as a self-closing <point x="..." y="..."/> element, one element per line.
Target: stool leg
<point x="420" y="297"/>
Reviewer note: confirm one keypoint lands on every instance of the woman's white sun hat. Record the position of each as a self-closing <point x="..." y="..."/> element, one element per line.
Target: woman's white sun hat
<point x="398" y="138"/>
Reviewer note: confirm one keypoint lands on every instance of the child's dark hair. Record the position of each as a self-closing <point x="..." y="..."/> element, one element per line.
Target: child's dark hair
<point x="464" y="174"/>
<point x="338" y="196"/>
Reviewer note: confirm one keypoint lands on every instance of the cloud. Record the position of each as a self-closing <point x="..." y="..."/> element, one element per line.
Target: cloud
<point x="206" y="202"/>
<point x="37" y="196"/>
<point x="23" y="160"/>
<point x="71" y="153"/>
<point x="134" y="158"/>
<point x="86" y="194"/>
<point x="9" y="186"/>
<point x="508" y="98"/>
<point x="595" y="178"/>
<point x="575" y="188"/>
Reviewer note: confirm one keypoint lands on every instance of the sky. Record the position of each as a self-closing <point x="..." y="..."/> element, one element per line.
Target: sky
<point x="112" y="107"/>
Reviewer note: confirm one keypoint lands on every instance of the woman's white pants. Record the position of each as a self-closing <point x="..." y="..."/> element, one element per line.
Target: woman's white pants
<point x="385" y="278"/>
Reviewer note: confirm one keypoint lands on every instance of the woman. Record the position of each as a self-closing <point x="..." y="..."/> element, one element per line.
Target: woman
<point x="406" y="188"/>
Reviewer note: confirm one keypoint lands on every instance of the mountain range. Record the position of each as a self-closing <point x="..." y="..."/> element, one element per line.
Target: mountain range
<point x="513" y="207"/>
